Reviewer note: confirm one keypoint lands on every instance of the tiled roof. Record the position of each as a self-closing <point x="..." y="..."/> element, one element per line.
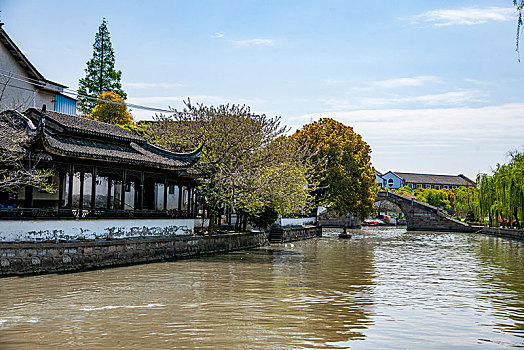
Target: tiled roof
<point x="432" y="179"/>
<point x="84" y="126"/>
<point x="77" y="137"/>
<point x="16" y="129"/>
<point x="129" y="153"/>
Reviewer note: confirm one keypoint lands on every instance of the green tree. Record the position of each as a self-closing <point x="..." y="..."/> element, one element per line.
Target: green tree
<point x="404" y="190"/>
<point x="436" y="198"/>
<point x="519" y="4"/>
<point x="501" y="195"/>
<point x="246" y="163"/>
<point x="101" y="75"/>
<point x="348" y="184"/>
<point x="15" y="171"/>
<point x="465" y="201"/>
<point x="114" y="111"/>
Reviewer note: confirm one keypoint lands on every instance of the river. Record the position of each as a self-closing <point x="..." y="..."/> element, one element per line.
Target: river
<point x="383" y="288"/>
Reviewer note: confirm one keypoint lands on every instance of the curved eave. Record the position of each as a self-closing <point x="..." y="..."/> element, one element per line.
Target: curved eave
<point x="80" y="155"/>
<point x="191" y="157"/>
<point x="81" y="131"/>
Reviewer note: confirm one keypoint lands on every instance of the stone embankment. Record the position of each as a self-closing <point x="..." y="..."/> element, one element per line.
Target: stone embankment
<point x="503" y="232"/>
<point x="22" y="258"/>
<point x="280" y="234"/>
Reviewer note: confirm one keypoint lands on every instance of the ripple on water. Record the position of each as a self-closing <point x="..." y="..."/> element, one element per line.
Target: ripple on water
<point x="382" y="287"/>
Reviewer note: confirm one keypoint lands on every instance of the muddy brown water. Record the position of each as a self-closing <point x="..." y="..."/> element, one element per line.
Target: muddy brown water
<point x="383" y="288"/>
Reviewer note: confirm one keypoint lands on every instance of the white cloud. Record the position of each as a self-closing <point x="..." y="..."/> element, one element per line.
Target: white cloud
<point x="218" y="35"/>
<point x="446" y="99"/>
<point x="464" y="16"/>
<point x="401" y="82"/>
<point x="438" y="140"/>
<point x="457" y="124"/>
<point x="255" y="42"/>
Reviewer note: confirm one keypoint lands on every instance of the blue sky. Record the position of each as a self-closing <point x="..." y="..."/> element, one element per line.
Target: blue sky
<point x="432" y="86"/>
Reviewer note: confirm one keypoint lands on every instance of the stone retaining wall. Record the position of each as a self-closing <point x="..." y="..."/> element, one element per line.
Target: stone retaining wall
<point x="42" y="257"/>
<point x="300" y="233"/>
<point x="502" y="232"/>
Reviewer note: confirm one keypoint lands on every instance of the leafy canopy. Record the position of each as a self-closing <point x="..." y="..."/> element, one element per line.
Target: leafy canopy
<point x="349" y="178"/>
<point x="15" y="171"/>
<point x="247" y="163"/>
<point x="114" y="111"/>
<point x="101" y="75"/>
<point x="501" y="195"/>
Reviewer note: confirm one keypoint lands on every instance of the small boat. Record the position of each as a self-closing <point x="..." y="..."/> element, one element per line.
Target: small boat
<point x="344" y="235"/>
<point x="373" y="222"/>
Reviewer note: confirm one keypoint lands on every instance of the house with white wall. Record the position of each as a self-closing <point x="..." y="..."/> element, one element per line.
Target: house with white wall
<point x="23" y="86"/>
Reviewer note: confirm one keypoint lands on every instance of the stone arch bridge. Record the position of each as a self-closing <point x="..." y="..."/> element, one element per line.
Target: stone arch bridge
<point x="422" y="216"/>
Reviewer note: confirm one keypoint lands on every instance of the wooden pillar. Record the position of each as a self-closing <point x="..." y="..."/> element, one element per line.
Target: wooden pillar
<point x="93" y="188"/>
<point x="141" y="193"/>
<point x="109" y="192"/>
<point x="81" y="200"/>
<point x="179" y="197"/>
<point x="61" y="176"/>
<point x="123" y="194"/>
<point x="70" y="193"/>
<point x="188" y="200"/>
<point x="28" y="202"/>
<point x="165" y="193"/>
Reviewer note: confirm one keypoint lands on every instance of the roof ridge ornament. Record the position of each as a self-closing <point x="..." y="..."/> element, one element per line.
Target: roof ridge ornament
<point x="41" y="124"/>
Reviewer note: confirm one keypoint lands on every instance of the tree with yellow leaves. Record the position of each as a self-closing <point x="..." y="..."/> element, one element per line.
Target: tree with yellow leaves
<point x="112" y="110"/>
<point x="349" y="178"/>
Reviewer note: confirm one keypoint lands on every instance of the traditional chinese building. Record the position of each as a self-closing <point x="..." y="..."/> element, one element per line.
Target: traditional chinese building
<point x="101" y="171"/>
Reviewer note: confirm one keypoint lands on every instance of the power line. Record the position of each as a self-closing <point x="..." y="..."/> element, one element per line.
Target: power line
<point x="75" y="93"/>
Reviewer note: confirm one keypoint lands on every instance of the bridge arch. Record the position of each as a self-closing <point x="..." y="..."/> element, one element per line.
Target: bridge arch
<point x="422" y="216"/>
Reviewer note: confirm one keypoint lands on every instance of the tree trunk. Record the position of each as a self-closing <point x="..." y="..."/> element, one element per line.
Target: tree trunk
<point x="244" y="223"/>
<point x="211" y="226"/>
<point x="237" y="224"/>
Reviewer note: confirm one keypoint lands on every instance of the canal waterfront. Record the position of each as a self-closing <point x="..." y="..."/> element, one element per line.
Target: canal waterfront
<point x="384" y="288"/>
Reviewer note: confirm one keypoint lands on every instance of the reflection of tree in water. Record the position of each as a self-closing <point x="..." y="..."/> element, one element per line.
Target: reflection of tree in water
<point x="324" y="292"/>
<point x="505" y="259"/>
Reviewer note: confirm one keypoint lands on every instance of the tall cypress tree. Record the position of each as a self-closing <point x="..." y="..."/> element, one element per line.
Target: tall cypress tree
<point x="101" y="75"/>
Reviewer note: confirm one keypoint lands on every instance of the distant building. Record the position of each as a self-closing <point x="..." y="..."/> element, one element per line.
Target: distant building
<point x="22" y="85"/>
<point x="396" y="180"/>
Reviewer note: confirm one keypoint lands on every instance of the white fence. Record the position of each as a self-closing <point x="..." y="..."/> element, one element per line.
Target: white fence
<point x="297" y="221"/>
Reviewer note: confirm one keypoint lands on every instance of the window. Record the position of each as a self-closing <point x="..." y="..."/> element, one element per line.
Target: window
<point x="419" y="186"/>
<point x="446" y="187"/>
<point x="390" y="182"/>
<point x="437" y="187"/>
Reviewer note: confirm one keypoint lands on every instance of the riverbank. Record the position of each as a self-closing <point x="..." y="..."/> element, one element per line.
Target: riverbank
<point x="24" y="258"/>
<point x="503" y="232"/>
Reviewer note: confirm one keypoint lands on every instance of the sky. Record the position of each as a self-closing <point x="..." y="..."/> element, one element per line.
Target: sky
<point x="432" y="86"/>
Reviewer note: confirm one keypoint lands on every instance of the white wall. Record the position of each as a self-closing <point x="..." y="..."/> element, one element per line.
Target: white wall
<point x="42" y="230"/>
<point x="297" y="221"/>
<point x="18" y="94"/>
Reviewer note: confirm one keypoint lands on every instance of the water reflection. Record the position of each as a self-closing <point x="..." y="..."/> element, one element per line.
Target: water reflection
<point x="381" y="287"/>
<point x="503" y="273"/>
